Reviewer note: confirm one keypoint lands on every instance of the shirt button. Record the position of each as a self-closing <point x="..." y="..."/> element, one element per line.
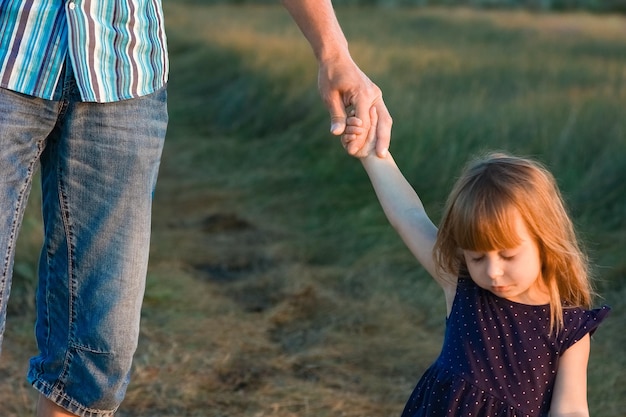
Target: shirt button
<point x="72" y="5"/>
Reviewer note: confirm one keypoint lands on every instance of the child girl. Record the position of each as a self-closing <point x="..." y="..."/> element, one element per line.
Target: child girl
<point x="516" y="288"/>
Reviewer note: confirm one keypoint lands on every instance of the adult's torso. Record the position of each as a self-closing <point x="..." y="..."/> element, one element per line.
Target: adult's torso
<point x="117" y="48"/>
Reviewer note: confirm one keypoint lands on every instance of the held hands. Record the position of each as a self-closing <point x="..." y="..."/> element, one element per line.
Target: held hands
<point x="345" y="88"/>
<point x="355" y="129"/>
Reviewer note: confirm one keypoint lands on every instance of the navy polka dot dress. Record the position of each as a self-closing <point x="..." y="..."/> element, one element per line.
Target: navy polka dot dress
<point x="498" y="358"/>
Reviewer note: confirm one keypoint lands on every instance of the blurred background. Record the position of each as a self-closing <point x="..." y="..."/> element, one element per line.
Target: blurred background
<point x="276" y="286"/>
<point x="601" y="6"/>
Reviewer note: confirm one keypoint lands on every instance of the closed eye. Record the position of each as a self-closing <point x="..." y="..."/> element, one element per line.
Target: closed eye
<point x="507" y="256"/>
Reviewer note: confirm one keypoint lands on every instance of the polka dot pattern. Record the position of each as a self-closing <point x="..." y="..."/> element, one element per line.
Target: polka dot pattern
<point x="498" y="357"/>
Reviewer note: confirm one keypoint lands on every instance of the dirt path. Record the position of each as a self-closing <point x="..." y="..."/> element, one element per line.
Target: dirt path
<point x="235" y="322"/>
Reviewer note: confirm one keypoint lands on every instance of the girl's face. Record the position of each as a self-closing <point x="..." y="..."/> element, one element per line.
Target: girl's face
<point x="511" y="273"/>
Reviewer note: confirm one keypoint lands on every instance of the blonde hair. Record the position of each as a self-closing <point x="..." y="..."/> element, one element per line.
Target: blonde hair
<point x="478" y="217"/>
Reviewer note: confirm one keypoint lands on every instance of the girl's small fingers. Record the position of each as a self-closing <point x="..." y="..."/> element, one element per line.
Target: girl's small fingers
<point x="353" y="130"/>
<point x="354" y="121"/>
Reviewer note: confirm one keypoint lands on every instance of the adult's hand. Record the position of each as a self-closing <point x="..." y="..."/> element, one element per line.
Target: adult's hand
<point x="346" y="89"/>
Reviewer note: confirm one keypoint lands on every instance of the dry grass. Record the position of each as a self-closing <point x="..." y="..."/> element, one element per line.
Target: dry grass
<point x="249" y="327"/>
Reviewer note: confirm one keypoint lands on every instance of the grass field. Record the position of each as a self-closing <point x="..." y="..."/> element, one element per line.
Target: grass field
<point x="276" y="286"/>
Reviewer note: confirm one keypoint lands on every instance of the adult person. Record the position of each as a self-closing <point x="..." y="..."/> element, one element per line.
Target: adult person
<point x="83" y="96"/>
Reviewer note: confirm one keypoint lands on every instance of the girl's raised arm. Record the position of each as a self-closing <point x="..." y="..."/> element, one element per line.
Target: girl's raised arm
<point x="406" y="213"/>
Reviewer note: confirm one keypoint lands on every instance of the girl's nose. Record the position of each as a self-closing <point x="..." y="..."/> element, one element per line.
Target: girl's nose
<point x="494" y="269"/>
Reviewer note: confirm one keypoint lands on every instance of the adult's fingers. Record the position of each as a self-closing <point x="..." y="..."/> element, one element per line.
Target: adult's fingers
<point x="337" y="112"/>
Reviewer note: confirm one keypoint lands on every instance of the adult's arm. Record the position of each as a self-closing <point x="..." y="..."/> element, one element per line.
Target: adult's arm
<point x="341" y="82"/>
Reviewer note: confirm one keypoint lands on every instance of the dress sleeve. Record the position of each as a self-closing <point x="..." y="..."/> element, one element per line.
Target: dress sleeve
<point x="577" y="322"/>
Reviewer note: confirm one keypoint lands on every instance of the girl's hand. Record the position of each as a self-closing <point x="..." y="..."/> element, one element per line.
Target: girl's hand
<point x="355" y="129"/>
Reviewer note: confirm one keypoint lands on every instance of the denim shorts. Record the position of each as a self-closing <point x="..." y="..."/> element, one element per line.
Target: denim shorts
<point x="99" y="166"/>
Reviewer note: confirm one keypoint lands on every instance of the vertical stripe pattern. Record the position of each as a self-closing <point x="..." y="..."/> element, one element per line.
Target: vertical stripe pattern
<point x="117" y="47"/>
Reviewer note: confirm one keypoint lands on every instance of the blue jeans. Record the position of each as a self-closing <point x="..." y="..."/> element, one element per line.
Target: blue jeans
<point x="99" y="165"/>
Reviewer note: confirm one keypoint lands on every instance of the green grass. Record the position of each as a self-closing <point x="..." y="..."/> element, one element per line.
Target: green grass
<point x="276" y="286"/>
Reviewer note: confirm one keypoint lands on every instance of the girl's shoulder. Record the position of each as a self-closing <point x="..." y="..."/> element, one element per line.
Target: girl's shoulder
<point x="578" y="322"/>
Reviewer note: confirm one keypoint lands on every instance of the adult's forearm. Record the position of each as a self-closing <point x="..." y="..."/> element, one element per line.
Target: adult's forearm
<point x="318" y="22"/>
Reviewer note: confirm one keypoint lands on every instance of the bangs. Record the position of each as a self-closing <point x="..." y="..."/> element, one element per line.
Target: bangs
<point x="486" y="225"/>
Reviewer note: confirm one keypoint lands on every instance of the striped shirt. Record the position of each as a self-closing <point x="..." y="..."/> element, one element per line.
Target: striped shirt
<point x="117" y="48"/>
